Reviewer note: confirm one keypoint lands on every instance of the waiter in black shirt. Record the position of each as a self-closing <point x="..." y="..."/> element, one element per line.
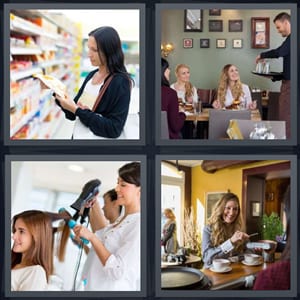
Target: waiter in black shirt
<point x="283" y="25"/>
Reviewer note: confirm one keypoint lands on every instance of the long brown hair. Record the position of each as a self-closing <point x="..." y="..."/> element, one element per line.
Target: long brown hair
<point x="220" y="231"/>
<point x="236" y="90"/>
<point x="41" y="252"/>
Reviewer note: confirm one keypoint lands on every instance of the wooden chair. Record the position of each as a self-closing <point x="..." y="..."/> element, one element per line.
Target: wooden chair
<point x="206" y="96"/>
<point x="258" y="97"/>
<point x="219" y="121"/>
<point x="164" y="129"/>
<point x="277" y="127"/>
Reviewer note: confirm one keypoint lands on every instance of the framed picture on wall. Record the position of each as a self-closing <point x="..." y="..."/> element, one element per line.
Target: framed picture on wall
<point x="235" y="25"/>
<point x="214" y="12"/>
<point x="187" y="43"/>
<point x="211" y="199"/>
<point x="215" y="25"/>
<point x="221" y="43"/>
<point x="193" y="20"/>
<point x="260" y="33"/>
<point x="237" y="43"/>
<point x="255" y="208"/>
<point x="204" y="43"/>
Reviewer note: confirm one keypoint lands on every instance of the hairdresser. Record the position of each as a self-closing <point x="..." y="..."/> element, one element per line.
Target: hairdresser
<point x="113" y="263"/>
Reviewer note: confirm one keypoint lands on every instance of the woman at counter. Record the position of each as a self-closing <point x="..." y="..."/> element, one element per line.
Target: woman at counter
<point x="169" y="238"/>
<point x="232" y="93"/>
<point x="223" y="236"/>
<point x="169" y="103"/>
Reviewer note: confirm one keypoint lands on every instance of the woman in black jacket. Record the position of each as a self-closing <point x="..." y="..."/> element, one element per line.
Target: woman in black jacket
<point x="107" y="119"/>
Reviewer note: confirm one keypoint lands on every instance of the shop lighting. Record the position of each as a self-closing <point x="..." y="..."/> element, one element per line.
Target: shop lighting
<point x="75" y="168"/>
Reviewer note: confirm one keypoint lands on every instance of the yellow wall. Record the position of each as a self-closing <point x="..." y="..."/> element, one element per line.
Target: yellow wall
<point x="220" y="181"/>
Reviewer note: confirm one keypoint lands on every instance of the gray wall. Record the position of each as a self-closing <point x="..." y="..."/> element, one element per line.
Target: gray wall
<point x="206" y="63"/>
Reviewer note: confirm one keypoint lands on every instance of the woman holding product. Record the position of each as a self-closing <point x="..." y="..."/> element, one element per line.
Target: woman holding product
<point x="113" y="263"/>
<point x="106" y="118"/>
<point x="32" y="252"/>
<point x="232" y="93"/>
<point x="224" y="235"/>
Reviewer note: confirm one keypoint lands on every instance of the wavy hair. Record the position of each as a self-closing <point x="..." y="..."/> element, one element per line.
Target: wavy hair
<point x="236" y="90"/>
<point x="188" y="86"/>
<point x="41" y="252"/>
<point x="221" y="231"/>
<point x="170" y="213"/>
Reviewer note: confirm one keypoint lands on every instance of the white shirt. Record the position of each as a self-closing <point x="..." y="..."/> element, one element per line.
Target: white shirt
<point x="122" y="269"/>
<point x="181" y="93"/>
<point x="32" y="278"/>
<point x="245" y="99"/>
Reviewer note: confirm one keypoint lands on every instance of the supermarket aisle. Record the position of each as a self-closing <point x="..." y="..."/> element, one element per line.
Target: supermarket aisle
<point x="54" y="43"/>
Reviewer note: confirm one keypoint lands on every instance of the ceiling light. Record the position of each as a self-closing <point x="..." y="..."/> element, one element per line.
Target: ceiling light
<point x="75" y="168"/>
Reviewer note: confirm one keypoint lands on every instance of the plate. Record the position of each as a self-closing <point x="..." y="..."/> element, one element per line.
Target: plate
<point x="227" y="269"/>
<point x="171" y="263"/>
<point x="254" y="264"/>
<point x="270" y="74"/>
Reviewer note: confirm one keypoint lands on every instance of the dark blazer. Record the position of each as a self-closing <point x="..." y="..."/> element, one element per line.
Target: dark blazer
<point x="169" y="103"/>
<point x="113" y="107"/>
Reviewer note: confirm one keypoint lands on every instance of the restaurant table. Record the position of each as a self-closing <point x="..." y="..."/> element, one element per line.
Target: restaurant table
<point x="190" y="261"/>
<point x="235" y="278"/>
<point x="204" y="115"/>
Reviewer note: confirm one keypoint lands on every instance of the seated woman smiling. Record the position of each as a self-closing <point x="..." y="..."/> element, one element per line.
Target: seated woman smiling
<point x="232" y="93"/>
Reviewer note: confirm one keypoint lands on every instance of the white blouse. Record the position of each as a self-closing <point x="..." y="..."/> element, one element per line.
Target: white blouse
<point x="181" y="93"/>
<point x="121" y="271"/>
<point x="32" y="278"/>
<point x="246" y="99"/>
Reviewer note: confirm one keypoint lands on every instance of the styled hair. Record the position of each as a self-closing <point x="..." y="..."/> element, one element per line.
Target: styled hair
<point x="170" y="213"/>
<point x="220" y="232"/>
<point x="282" y="17"/>
<point x="187" y="86"/>
<point x="41" y="252"/>
<point x="286" y="254"/>
<point x="237" y="90"/>
<point x="131" y="173"/>
<point x="110" y="49"/>
<point x="112" y="194"/>
<point x="164" y="67"/>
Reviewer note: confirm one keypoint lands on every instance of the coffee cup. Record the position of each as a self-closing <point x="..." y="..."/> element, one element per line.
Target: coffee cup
<point x="220" y="264"/>
<point x="251" y="258"/>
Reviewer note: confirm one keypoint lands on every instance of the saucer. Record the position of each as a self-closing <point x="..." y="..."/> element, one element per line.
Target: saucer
<point x="254" y="264"/>
<point x="225" y="270"/>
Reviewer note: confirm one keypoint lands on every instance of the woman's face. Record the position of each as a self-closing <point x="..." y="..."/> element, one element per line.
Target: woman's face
<point x="167" y="74"/>
<point x="93" y="53"/>
<point x="22" y="237"/>
<point x="231" y="211"/>
<point x="127" y="192"/>
<point x="183" y="74"/>
<point x="233" y="73"/>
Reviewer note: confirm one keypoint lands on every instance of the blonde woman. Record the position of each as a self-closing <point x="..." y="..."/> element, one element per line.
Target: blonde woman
<point x="185" y="90"/>
<point x="223" y="236"/>
<point x="169" y="239"/>
<point x="232" y="93"/>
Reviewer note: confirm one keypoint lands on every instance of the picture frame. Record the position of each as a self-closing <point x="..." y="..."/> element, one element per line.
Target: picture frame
<point x="215" y="25"/>
<point x="255" y="209"/>
<point x="187" y="43"/>
<point x="214" y="12"/>
<point x="221" y="43"/>
<point x="237" y="43"/>
<point x="260" y="33"/>
<point x="211" y="198"/>
<point x="193" y="20"/>
<point x="235" y="25"/>
<point x="204" y="43"/>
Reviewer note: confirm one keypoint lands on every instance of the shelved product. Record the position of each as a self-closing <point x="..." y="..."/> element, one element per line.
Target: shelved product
<point x="40" y="42"/>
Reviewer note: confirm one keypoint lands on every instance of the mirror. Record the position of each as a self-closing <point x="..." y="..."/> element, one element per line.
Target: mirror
<point x="193" y="20"/>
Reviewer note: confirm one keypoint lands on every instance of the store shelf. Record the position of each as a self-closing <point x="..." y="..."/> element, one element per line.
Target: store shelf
<point x="17" y="75"/>
<point x="25" y="51"/>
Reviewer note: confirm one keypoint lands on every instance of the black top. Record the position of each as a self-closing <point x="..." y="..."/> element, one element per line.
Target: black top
<point x="113" y="107"/>
<point x="282" y="51"/>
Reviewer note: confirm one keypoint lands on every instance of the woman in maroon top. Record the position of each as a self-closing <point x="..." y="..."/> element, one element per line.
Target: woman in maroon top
<point x="277" y="276"/>
<point x="169" y="103"/>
